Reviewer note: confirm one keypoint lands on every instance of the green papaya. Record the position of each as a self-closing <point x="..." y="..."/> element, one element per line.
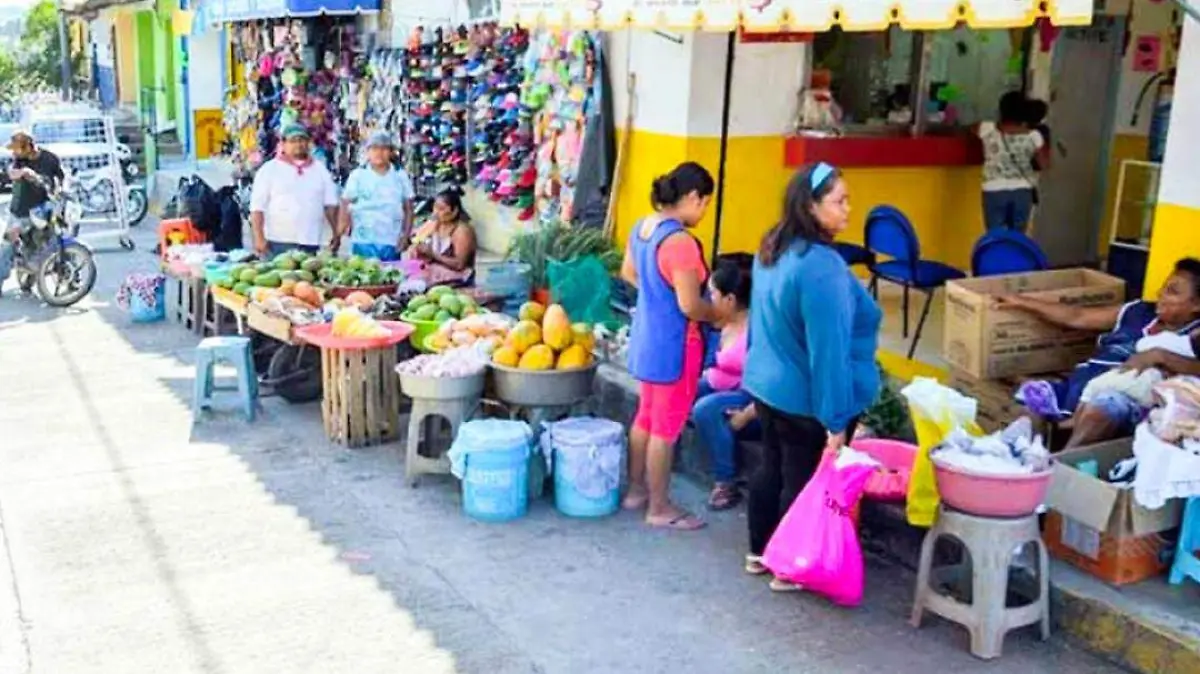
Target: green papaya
<point x="264" y="267"/>
<point x="247" y="276"/>
<point x="311" y="265"/>
<point x="305" y="275"/>
<point x="443" y="316"/>
<point x="417" y="302"/>
<point x="242" y="289"/>
<point x="268" y="280"/>
<point x="425" y="312"/>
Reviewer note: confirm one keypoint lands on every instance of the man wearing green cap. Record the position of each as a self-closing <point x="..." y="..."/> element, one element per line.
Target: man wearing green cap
<point x="292" y="197"/>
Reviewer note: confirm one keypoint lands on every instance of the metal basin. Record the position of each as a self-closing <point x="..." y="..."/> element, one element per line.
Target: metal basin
<point x="442" y="388"/>
<point x="543" y="388"/>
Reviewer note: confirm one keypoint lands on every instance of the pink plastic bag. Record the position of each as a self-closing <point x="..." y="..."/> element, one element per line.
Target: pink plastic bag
<point x="816" y="545"/>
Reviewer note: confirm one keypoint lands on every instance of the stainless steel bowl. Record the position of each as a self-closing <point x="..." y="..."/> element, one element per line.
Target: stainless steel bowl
<point x="543" y="388"/>
<point x="442" y="388"/>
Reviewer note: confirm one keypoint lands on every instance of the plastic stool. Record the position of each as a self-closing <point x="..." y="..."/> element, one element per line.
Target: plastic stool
<point x="1187" y="562"/>
<point x="454" y="411"/>
<point x="234" y="350"/>
<point x="989" y="543"/>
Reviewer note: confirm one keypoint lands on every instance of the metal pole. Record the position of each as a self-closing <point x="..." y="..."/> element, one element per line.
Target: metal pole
<point x="66" y="56"/>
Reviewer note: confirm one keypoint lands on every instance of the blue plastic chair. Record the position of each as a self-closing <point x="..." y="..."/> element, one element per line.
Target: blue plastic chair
<point x="854" y="254"/>
<point x="890" y="234"/>
<point x="1005" y="251"/>
<point x="1187" y="564"/>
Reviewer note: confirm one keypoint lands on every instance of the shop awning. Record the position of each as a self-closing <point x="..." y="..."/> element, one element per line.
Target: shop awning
<point x="792" y="15"/>
<point x="224" y="11"/>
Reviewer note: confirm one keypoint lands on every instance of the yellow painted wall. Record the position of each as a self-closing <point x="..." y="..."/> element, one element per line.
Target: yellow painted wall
<point x="126" y="58"/>
<point x="210" y="133"/>
<point x="1176" y="235"/>
<point x="1124" y="146"/>
<point x="943" y="203"/>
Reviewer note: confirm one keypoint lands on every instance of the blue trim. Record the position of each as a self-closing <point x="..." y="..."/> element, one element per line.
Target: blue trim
<point x="224" y="11"/>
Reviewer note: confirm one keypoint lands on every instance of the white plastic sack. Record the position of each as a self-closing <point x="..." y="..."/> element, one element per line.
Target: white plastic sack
<point x="1164" y="471"/>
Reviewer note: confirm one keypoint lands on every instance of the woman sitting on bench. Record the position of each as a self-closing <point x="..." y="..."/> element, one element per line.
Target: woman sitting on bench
<point x="1105" y="414"/>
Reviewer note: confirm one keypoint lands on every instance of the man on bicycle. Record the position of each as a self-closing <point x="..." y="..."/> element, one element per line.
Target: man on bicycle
<point x="34" y="173"/>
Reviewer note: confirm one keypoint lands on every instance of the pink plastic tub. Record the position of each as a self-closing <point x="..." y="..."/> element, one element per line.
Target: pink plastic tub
<point x="989" y="495"/>
<point x="890" y="483"/>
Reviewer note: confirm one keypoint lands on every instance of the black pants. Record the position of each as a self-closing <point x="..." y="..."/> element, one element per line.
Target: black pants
<point x="792" y="448"/>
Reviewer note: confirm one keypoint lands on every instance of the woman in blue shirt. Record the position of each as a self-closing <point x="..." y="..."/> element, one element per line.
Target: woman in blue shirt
<point x="811" y="363"/>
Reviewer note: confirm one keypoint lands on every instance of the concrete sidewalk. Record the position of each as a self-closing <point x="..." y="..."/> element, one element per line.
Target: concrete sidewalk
<point x="141" y="543"/>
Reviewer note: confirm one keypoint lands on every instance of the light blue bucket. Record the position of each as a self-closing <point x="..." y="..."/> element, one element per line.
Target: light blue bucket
<point x="588" y="458"/>
<point x="491" y="457"/>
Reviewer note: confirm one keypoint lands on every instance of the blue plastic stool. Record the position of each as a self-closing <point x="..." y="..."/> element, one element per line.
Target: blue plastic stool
<point x="233" y="350"/>
<point x="1187" y="564"/>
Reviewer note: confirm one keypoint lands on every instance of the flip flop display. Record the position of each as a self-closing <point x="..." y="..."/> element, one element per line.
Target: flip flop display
<point x="560" y="90"/>
<point x="297" y="71"/>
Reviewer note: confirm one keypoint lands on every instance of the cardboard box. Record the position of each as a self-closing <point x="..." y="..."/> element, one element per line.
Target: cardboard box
<point x="989" y="343"/>
<point x="1099" y="527"/>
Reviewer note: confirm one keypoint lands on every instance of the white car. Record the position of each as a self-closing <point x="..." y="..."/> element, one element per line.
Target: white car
<point x="77" y="138"/>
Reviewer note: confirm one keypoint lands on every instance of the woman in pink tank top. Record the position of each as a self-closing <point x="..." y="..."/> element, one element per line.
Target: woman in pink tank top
<point x="723" y="412"/>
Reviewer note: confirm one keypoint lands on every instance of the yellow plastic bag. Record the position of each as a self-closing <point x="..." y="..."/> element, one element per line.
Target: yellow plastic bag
<point x="936" y="410"/>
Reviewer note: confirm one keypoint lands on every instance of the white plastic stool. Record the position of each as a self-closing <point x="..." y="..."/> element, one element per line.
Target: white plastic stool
<point x="989" y="543"/>
<point x="453" y="411"/>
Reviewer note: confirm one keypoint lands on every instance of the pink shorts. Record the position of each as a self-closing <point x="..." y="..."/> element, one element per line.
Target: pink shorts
<point x="663" y="409"/>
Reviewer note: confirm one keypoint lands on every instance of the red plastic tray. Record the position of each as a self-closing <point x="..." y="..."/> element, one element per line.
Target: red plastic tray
<point x="319" y="335"/>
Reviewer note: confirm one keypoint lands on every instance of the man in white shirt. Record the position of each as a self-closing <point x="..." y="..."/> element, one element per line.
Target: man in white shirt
<point x="292" y="197"/>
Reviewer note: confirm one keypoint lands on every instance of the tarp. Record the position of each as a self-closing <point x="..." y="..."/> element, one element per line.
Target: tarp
<point x="791" y="15"/>
<point x="226" y="11"/>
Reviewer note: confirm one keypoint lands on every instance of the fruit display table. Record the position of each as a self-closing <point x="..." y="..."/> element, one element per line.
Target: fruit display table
<point x="361" y="395"/>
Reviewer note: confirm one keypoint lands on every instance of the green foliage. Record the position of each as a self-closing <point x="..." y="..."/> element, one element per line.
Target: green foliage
<point x="561" y="242"/>
<point x="39" y="60"/>
<point x="889" y="417"/>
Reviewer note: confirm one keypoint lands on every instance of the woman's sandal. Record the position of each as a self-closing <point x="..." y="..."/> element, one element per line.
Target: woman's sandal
<point x="754" y="566"/>
<point x="781" y="585"/>
<point x="684" y="521"/>
<point x="724" y="497"/>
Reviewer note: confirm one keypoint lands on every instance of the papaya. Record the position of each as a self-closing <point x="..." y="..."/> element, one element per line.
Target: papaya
<point x="288" y="286"/>
<point x="442" y="316"/>
<point x="532" y="311"/>
<point x="247" y="276"/>
<point x="582" y="335"/>
<point x="425" y="312"/>
<point x="451" y="304"/>
<point x="556" y="328"/>
<point x="305" y="292"/>
<point x="270" y="279"/>
<point x="311" y="265"/>
<point x="538" y="357"/>
<point x="360" y="299"/>
<point x="524" y="336"/>
<point x="574" y="357"/>
<point x="506" y="356"/>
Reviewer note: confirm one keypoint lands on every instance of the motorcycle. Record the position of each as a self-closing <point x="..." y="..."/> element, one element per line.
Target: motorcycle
<point x="50" y="259"/>
<point x="94" y="189"/>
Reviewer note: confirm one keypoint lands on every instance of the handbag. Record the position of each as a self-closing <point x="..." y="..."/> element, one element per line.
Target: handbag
<point x="1025" y="176"/>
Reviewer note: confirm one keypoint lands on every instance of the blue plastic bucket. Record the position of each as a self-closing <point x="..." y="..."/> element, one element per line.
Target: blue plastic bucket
<point x="588" y="458"/>
<point x="141" y="312"/>
<point x="493" y="460"/>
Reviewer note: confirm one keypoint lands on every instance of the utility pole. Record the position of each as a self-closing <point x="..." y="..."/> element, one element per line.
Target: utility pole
<point x="66" y="56"/>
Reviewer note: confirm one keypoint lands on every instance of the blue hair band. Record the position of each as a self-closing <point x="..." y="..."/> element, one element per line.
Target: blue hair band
<point x="820" y="173"/>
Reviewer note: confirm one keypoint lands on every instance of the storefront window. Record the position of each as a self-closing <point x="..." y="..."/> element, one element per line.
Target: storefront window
<point x="873" y="73"/>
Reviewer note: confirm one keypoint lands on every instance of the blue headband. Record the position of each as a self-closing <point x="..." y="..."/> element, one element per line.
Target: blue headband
<point x="820" y="173"/>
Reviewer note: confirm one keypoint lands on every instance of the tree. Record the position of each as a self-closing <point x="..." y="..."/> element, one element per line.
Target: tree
<point x="41" y="53"/>
<point x="10" y="77"/>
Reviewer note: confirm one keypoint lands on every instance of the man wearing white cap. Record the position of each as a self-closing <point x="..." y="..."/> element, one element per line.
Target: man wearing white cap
<point x="377" y="203"/>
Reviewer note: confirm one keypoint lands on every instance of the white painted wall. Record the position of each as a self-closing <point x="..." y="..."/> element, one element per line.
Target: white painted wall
<point x="205" y="88"/>
<point x="1147" y="18"/>
<point x="1181" y="165"/>
<point x="680" y="84"/>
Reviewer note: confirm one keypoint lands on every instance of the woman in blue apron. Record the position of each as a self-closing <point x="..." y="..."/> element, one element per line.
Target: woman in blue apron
<point x="1177" y="310"/>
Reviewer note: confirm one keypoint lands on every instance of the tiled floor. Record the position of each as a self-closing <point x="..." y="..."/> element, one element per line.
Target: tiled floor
<point x="929" y="348"/>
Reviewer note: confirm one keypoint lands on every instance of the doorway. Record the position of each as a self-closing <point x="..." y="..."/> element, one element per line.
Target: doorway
<point x="1085" y="75"/>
